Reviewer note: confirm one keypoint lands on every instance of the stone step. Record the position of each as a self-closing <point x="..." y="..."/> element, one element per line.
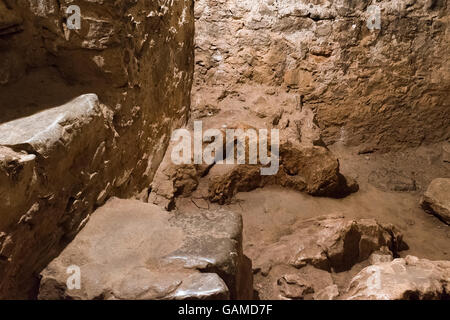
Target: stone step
<point x="54" y="169"/>
<point x="135" y="250"/>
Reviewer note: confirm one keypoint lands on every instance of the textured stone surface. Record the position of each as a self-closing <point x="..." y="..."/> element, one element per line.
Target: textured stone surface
<point x="305" y="259"/>
<point x="311" y="169"/>
<point x="9" y="20"/>
<point x="402" y="279"/>
<point x="133" y="250"/>
<point x="302" y="167"/>
<point x="385" y="88"/>
<point x="40" y="133"/>
<point x="328" y="293"/>
<point x="65" y="158"/>
<point x="172" y="181"/>
<point x="446" y="152"/>
<point x="436" y="199"/>
<point x="331" y="243"/>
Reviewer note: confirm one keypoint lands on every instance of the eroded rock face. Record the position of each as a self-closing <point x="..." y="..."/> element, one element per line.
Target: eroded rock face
<point x="410" y="278"/>
<point x="133" y="250"/>
<point x="436" y="199"/>
<point x="84" y="115"/>
<point x="362" y="83"/>
<point x="300" y="265"/>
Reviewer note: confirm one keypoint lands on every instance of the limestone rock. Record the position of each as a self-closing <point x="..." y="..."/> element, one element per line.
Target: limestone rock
<point x="331" y="243"/>
<point x="133" y="250"/>
<point x="328" y="293"/>
<point x="304" y="284"/>
<point x="410" y="278"/>
<point x="436" y="199"/>
<point x="311" y="169"/>
<point x="300" y="265"/>
<point x="41" y="132"/>
<point x="172" y="181"/>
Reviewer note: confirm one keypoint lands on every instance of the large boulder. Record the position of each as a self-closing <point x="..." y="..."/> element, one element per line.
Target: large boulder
<point x="410" y="278"/>
<point x="300" y="264"/>
<point x="134" y="250"/>
<point x="436" y="199"/>
<point x="310" y="169"/>
<point x="331" y="242"/>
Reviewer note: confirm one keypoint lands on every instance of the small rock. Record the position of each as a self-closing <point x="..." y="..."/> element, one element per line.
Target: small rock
<point x="294" y="287"/>
<point x="329" y="293"/>
<point x="380" y="257"/>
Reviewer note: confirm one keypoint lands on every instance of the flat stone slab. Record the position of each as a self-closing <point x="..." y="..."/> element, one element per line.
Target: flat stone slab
<point x="436" y="199"/>
<point x="135" y="250"/>
<point x="43" y="130"/>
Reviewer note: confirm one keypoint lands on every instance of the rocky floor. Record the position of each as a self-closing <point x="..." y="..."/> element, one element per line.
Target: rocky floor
<point x="383" y="220"/>
<point x="333" y="223"/>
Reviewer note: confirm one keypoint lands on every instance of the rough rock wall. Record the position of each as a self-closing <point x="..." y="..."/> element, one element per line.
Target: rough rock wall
<point x="131" y="67"/>
<point x="387" y="88"/>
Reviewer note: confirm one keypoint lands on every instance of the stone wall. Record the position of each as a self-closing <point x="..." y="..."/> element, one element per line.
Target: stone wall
<point x="84" y="115"/>
<point x="385" y="88"/>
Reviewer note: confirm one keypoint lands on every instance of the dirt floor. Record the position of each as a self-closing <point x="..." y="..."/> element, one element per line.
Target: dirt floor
<point x="390" y="184"/>
<point x="390" y="188"/>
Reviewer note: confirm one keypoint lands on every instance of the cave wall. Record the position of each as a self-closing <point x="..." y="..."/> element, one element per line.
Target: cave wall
<point x="386" y="88"/>
<point x="115" y="88"/>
